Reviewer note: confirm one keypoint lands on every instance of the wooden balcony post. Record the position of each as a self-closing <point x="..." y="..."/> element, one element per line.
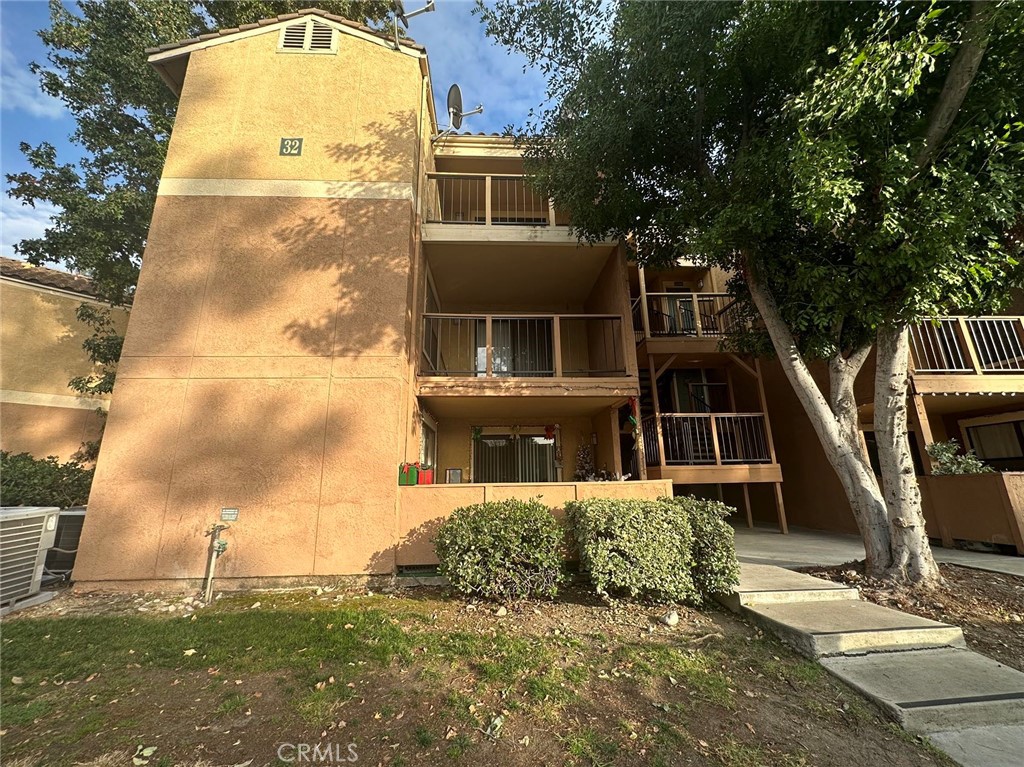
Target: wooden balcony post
<point x="644" y="308"/>
<point x="556" y="329"/>
<point x="964" y="335"/>
<point x="489" y="351"/>
<point x="487" y="200"/>
<point x="696" y="314"/>
<point x="779" y="505"/>
<point x="922" y="429"/>
<point x="714" y="439"/>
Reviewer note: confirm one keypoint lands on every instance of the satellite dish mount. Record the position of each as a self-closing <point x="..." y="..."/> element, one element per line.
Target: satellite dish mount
<point x="402" y="16"/>
<point x="455" y="113"/>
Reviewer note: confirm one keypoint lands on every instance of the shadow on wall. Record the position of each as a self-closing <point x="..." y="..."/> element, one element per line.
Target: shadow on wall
<point x="413" y="549"/>
<point x="372" y="269"/>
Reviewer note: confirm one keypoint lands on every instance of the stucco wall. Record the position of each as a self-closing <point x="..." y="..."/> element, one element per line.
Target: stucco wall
<point x="424" y="507"/>
<point x="267" y="362"/>
<point x="41" y="342"/>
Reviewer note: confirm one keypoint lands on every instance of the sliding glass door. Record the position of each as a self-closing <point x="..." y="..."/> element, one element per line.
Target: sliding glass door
<point x="513" y="458"/>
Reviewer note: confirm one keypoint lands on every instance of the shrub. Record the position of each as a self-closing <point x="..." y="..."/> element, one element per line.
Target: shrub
<point x="28" y="481"/>
<point x="949" y="461"/>
<point x="715" y="567"/>
<point x="680" y="549"/>
<point x="639" y="548"/>
<point x="502" y="550"/>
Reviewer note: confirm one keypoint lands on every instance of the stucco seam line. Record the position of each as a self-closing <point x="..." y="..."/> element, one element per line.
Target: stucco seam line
<point x="10" y="397"/>
<point x="246" y="187"/>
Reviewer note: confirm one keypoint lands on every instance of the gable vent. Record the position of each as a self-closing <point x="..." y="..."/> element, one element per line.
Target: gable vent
<point x="321" y="38"/>
<point x="294" y="37"/>
<point x="308" y="37"/>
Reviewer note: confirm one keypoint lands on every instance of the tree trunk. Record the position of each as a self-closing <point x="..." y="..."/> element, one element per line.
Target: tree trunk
<point x="912" y="554"/>
<point x="840" y="441"/>
<point x="871" y="517"/>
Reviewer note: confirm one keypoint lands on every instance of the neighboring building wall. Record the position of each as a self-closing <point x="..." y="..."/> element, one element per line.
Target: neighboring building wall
<point x="41" y="347"/>
<point x="267" y="364"/>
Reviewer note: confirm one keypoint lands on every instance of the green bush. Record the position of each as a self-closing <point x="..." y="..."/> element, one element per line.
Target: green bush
<point x="502" y="550"/>
<point x="677" y="549"/>
<point x="28" y="481"/>
<point x="633" y="547"/>
<point x="715" y="567"/>
<point x="948" y="459"/>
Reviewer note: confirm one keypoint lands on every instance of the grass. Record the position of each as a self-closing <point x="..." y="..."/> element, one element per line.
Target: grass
<point x="385" y="672"/>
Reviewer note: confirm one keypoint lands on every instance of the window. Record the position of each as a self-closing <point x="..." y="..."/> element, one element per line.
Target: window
<point x="508" y="457"/>
<point x="428" y="443"/>
<point x="1000" y="445"/>
<point x="308" y="37"/>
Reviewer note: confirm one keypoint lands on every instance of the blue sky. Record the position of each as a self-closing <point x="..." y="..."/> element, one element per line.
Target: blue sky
<point x="458" y="50"/>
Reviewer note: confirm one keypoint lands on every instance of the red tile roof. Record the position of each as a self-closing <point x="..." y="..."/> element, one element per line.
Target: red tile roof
<point x="50" y="278"/>
<point x="283" y="17"/>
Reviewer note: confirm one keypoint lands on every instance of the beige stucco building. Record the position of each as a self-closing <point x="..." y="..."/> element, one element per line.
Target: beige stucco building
<point x="328" y="292"/>
<point x="41" y="350"/>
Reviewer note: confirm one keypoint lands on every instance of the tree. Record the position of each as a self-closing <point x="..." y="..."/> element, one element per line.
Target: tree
<point x="854" y="165"/>
<point x="124" y="114"/>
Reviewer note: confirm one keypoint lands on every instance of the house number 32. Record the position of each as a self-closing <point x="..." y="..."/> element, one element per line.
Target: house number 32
<point x="291" y="147"/>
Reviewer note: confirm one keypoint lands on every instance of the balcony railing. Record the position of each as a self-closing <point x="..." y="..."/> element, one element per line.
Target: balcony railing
<point x="969" y="345"/>
<point x="706" y="439"/>
<point x="472" y="198"/>
<point x="690" y="314"/>
<point x="522" y="346"/>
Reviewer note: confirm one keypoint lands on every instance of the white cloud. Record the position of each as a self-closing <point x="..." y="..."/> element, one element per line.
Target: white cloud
<point x="21" y="222"/>
<point x="19" y="89"/>
<point x="460" y="52"/>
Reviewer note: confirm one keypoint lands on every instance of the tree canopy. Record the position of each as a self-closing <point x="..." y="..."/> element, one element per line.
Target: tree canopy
<point x="854" y="165"/>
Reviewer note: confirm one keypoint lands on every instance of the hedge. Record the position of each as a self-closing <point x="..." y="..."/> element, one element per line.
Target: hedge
<point x="28" y="481"/>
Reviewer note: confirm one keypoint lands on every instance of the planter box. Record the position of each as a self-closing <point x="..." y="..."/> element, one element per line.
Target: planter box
<point x="975" y="507"/>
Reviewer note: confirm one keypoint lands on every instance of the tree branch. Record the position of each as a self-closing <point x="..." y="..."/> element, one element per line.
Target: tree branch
<point x="958" y="80"/>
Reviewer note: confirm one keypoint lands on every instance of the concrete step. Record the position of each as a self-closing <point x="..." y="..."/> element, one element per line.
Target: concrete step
<point x="767" y="584"/>
<point x="942" y="691"/>
<point x="846" y="626"/>
<point x="995" y="745"/>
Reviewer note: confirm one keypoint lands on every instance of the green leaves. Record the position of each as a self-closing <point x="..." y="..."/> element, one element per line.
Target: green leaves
<point x="28" y="481"/>
<point x="502" y="550"/>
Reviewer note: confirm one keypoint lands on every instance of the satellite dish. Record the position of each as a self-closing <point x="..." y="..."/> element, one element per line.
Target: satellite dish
<point x="455" y="105"/>
<point x="402" y="16"/>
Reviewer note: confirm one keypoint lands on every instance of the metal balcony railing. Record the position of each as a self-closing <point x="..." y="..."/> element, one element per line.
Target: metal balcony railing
<point x="522" y="346"/>
<point x="705" y="439"/>
<point x="492" y="200"/>
<point x="969" y="345"/>
<point x="690" y="314"/>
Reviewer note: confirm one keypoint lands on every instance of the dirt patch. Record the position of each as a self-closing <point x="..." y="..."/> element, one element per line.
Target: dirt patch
<point x="988" y="606"/>
<point x="419" y="678"/>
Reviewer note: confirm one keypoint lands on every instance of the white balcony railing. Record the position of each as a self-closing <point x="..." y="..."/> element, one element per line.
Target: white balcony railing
<point x="969" y="345"/>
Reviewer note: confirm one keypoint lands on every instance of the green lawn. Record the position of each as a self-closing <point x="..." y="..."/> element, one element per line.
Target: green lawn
<point x="422" y="679"/>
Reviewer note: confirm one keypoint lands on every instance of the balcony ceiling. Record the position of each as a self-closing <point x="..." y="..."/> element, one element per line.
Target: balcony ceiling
<point x="543" y="409"/>
<point x="503" y="276"/>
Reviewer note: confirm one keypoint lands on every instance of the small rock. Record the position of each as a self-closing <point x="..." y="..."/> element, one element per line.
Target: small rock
<point x="17" y="680"/>
<point x="501" y="612"/>
<point x="670" y="619"/>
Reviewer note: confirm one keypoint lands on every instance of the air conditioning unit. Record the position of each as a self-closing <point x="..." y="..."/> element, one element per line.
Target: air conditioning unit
<point x="26" y="534"/>
<point x="61" y="559"/>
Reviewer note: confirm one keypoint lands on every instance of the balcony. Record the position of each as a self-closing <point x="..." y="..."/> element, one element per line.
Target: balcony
<point x="691" y="317"/>
<point x="473" y="207"/>
<point x="558" y="364"/>
<point x="523" y="346"/>
<point x="980" y="353"/>
<point x="709" y="447"/>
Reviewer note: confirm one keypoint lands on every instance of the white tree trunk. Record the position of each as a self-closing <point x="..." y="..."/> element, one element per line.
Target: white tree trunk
<point x="868" y="511"/>
<point x="839" y="437"/>
<point x="911" y="552"/>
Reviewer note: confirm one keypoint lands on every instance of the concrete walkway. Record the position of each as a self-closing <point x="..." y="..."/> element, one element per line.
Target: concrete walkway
<point x="806" y="548"/>
<point x="919" y="670"/>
